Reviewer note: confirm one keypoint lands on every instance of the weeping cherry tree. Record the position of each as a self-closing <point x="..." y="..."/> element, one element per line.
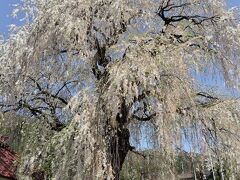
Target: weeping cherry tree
<point x="92" y="71"/>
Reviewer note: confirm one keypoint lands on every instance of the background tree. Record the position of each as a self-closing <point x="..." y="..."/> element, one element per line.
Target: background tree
<point x="112" y="64"/>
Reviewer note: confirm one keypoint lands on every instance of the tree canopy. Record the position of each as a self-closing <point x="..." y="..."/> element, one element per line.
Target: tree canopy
<point x="92" y="73"/>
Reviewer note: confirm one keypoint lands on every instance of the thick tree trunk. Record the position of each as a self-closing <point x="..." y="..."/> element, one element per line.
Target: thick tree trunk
<point x="117" y="138"/>
<point x="118" y="148"/>
<point x="119" y="144"/>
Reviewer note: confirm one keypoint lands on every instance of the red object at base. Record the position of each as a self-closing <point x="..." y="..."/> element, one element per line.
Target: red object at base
<point x="7" y="159"/>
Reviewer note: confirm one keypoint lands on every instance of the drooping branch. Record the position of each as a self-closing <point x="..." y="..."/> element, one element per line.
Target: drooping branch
<point x="138" y="153"/>
<point x="171" y="14"/>
<point x="206" y="95"/>
<point x="147" y="118"/>
<point x="63" y="86"/>
<point x="206" y="100"/>
<point x="164" y="10"/>
<point x="228" y="131"/>
<point x="49" y="94"/>
<point x="44" y="103"/>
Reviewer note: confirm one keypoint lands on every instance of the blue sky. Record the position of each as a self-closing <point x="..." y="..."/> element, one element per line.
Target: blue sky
<point x="5" y="11"/>
<point x="233" y="3"/>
